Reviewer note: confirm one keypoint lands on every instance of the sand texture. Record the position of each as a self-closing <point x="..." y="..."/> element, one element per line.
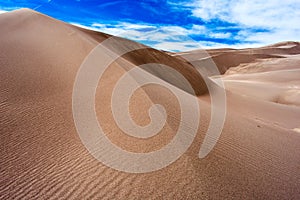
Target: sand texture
<point x="42" y="156"/>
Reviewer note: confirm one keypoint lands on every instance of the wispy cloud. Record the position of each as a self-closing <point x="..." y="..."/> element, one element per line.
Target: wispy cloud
<point x="280" y="18"/>
<point x="165" y="37"/>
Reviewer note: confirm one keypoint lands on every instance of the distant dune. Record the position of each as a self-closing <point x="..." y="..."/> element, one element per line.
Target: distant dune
<point x="42" y="156"/>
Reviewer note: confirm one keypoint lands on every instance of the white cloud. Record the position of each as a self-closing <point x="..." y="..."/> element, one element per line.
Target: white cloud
<point x="169" y="38"/>
<point x="197" y="30"/>
<point x="210" y="9"/>
<point x="263" y="38"/>
<point x="280" y="17"/>
<point x="85" y="27"/>
<point x="220" y="35"/>
<point x="3" y="11"/>
<point x="125" y="25"/>
<point x="268" y="13"/>
<point x="178" y="46"/>
<point x="216" y="45"/>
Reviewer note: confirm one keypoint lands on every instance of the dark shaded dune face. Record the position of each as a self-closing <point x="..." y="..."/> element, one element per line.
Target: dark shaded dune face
<point x="139" y="55"/>
<point x="98" y="36"/>
<point x="145" y="56"/>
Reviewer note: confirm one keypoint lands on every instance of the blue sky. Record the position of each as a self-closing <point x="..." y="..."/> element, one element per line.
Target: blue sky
<point x="179" y="25"/>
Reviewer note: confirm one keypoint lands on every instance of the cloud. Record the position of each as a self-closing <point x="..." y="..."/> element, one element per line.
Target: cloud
<point x="220" y="35"/>
<point x="161" y="37"/>
<point x="3" y="11"/>
<point x="210" y="9"/>
<point x="85" y="26"/>
<point x="164" y="37"/>
<point x="273" y="36"/>
<point x="178" y="46"/>
<point x="268" y="13"/>
<point x="279" y="18"/>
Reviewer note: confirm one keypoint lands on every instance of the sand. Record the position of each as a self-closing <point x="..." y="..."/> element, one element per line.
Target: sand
<point x="42" y="156"/>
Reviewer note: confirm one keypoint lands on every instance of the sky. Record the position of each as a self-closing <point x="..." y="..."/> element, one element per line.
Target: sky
<point x="179" y="25"/>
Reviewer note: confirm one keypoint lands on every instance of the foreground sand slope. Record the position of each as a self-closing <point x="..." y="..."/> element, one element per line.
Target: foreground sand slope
<point x="42" y="157"/>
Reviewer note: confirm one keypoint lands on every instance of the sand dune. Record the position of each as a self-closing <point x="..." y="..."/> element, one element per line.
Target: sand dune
<point x="229" y="58"/>
<point x="42" y="156"/>
<point x="275" y="80"/>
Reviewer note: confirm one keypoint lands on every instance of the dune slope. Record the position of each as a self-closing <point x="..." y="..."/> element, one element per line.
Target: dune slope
<point x="42" y="156"/>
